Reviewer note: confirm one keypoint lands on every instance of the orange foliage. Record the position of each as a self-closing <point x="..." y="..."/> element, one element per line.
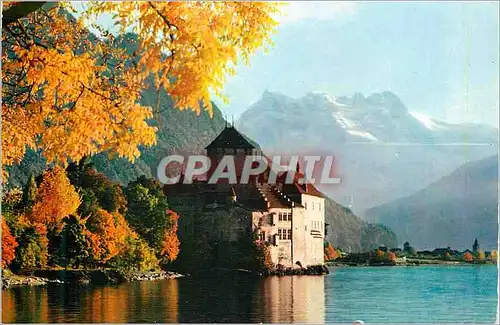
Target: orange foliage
<point x="9" y="245"/>
<point x="468" y="256"/>
<point x="171" y="243"/>
<point x="109" y="236"/>
<point x="331" y="253"/>
<point x="379" y="253"/>
<point x="57" y="199"/>
<point x="391" y="256"/>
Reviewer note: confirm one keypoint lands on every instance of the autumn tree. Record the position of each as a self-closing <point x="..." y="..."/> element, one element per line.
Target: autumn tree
<point x="107" y="234"/>
<point x="391" y="256"/>
<point x="468" y="257"/>
<point x="9" y="245"/>
<point x="330" y="252"/>
<point x="136" y="255"/>
<point x="72" y="94"/>
<point x="170" y="243"/>
<point x="56" y="199"/>
<point x="480" y="255"/>
<point x="379" y="253"/>
<point x="493" y="255"/>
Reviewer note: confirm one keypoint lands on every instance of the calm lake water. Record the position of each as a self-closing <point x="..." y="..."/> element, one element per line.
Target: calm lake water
<point x="375" y="295"/>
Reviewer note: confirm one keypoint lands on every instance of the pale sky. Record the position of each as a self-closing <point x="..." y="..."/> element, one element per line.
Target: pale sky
<point x="440" y="58"/>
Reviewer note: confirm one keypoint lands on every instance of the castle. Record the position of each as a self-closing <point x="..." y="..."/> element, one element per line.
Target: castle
<point x="289" y="218"/>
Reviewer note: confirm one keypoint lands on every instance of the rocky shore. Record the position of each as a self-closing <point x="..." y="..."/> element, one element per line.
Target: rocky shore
<point x="99" y="277"/>
<point x="9" y="281"/>
<point x="311" y="270"/>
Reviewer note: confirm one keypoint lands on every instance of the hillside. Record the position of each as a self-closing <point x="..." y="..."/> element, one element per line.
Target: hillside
<point x="351" y="234"/>
<point x="450" y="212"/>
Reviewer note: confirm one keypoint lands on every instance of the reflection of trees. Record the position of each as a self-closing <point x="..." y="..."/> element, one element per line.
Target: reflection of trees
<point x="239" y="299"/>
<point x="170" y="293"/>
<point x="25" y="305"/>
<point x="146" y="302"/>
<point x="107" y="305"/>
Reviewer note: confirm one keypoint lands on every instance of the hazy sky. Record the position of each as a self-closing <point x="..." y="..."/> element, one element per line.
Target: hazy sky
<point x="440" y="58"/>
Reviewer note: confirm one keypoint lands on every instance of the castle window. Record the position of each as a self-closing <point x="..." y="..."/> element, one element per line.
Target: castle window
<point x="289" y="216"/>
<point x="280" y="216"/>
<point x="280" y="234"/>
<point x="262" y="236"/>
<point x="305" y="205"/>
<point x="319" y="204"/>
<point x="289" y="232"/>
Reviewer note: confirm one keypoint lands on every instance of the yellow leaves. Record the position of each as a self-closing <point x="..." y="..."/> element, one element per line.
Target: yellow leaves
<point x="197" y="44"/>
<point x="76" y="105"/>
<point x="72" y="96"/>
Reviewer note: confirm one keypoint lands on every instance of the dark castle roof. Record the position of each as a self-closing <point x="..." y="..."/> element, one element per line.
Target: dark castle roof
<point x="231" y="138"/>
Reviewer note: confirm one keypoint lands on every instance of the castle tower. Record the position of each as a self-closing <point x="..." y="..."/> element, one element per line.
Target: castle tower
<point x="230" y="142"/>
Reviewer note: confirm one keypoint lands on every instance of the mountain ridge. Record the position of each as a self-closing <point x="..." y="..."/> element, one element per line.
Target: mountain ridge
<point x="460" y="206"/>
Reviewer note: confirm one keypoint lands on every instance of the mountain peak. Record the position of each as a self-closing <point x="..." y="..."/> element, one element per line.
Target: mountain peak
<point x="389" y="100"/>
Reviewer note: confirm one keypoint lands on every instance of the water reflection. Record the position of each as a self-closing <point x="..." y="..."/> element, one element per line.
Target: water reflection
<point x="201" y="300"/>
<point x="424" y="294"/>
<point x="292" y="299"/>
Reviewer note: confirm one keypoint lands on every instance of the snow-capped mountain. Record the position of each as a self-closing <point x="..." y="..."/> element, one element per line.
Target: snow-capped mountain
<point x="383" y="151"/>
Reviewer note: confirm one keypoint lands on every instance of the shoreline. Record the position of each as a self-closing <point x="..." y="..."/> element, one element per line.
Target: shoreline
<point x="95" y="277"/>
<point x="111" y="276"/>
<point x="409" y="262"/>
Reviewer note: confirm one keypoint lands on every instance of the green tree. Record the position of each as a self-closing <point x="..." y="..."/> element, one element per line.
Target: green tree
<point x="475" y="247"/>
<point x="147" y="210"/>
<point x="32" y="251"/>
<point x="29" y="193"/>
<point x="408" y="250"/>
<point x="136" y="256"/>
<point x="109" y="194"/>
<point x="74" y="250"/>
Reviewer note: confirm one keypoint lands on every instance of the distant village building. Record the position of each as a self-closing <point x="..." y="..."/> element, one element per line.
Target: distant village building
<point x="289" y="218"/>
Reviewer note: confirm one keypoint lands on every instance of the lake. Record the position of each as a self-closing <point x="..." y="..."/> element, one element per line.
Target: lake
<point x="373" y="294"/>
